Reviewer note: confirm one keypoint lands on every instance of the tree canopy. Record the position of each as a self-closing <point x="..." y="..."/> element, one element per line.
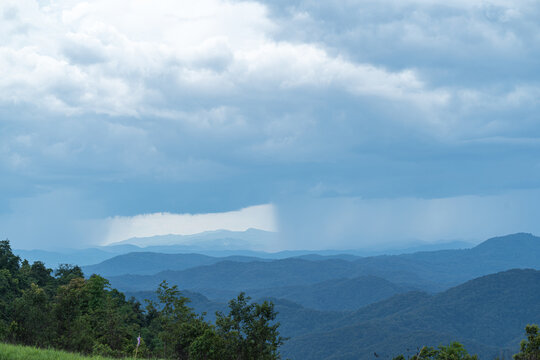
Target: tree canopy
<point x="64" y="310"/>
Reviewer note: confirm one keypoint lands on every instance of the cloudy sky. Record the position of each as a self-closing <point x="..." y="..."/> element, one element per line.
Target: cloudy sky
<point x="343" y="124"/>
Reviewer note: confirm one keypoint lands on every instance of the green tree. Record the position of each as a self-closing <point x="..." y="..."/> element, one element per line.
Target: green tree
<point x="73" y="329"/>
<point x="9" y="290"/>
<point x="179" y="325"/>
<point x="209" y="346"/>
<point x="8" y="260"/>
<point x="86" y="316"/>
<point x="32" y="317"/>
<point x="250" y="330"/>
<point x="530" y="347"/>
<point x="65" y="273"/>
<point x="91" y="318"/>
<point x="9" y="287"/>
<point x="454" y="351"/>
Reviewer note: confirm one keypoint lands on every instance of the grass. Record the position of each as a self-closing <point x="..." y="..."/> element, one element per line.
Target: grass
<point x="14" y="352"/>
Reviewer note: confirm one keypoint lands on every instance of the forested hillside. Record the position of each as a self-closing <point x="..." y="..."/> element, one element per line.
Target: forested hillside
<point x="487" y="315"/>
<point x="66" y="311"/>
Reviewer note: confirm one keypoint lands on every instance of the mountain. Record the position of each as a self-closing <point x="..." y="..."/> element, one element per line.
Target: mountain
<point x="487" y="314"/>
<point x="431" y="271"/>
<point x="239" y="276"/>
<point x="348" y="307"/>
<point x="221" y="243"/>
<point x="148" y="263"/>
<point x="336" y="294"/>
<point x="69" y="256"/>
<point x="250" y="239"/>
<point x="452" y="267"/>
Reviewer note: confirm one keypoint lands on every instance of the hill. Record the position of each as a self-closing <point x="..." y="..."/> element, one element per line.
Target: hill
<point x="487" y="314"/>
<point x="336" y="294"/>
<point x="252" y="239"/>
<point x="80" y="257"/>
<point x="499" y="251"/>
<point x="429" y="271"/>
<point x="239" y="276"/>
<point x="147" y="263"/>
<point x="353" y="294"/>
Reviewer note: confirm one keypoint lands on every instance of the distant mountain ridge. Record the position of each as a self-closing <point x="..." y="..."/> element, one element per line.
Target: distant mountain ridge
<point x="219" y="243"/>
<point x="148" y="263"/>
<point x="325" y="283"/>
<point x="250" y="239"/>
<point x="437" y="269"/>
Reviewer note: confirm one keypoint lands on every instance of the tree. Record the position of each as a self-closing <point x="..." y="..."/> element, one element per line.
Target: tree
<point x="250" y="329"/>
<point x="65" y="273"/>
<point x="32" y="317"/>
<point x="530" y="347"/>
<point x="67" y="311"/>
<point x="209" y="346"/>
<point x="10" y="287"/>
<point x="8" y="260"/>
<point x="91" y="318"/>
<point x="73" y="329"/>
<point x="454" y="351"/>
<point x="179" y="325"/>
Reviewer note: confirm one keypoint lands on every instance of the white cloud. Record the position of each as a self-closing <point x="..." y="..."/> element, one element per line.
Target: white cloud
<point x="166" y="58"/>
<point x="124" y="58"/>
<point x="120" y="228"/>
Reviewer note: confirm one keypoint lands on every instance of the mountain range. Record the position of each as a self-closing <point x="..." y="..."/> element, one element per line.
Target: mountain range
<point x="220" y="278"/>
<point x="487" y="314"/>
<point x="219" y="243"/>
<point x="344" y="306"/>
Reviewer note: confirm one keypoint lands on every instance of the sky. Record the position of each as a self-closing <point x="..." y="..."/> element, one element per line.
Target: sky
<point x="351" y="124"/>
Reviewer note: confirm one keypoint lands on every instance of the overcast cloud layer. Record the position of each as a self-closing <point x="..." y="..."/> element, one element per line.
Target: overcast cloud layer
<point x="404" y="107"/>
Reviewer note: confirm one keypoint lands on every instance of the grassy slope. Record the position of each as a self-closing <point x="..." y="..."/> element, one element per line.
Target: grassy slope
<point x="13" y="352"/>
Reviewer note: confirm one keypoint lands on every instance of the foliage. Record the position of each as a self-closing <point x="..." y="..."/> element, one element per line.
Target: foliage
<point x="178" y="324"/>
<point x="248" y="329"/>
<point x="66" y="311"/>
<point x="487" y="315"/>
<point x="530" y="347"/>
<point x="454" y="351"/>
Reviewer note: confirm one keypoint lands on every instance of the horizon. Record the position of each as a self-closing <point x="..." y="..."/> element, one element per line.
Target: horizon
<point x="176" y="244"/>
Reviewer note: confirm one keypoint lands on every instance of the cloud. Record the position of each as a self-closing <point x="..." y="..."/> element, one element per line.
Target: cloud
<point x="105" y="58"/>
<point x="207" y="107"/>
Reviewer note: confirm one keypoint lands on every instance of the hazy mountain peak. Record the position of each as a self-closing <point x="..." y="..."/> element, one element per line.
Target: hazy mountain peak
<point x="523" y="240"/>
<point x="250" y="239"/>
